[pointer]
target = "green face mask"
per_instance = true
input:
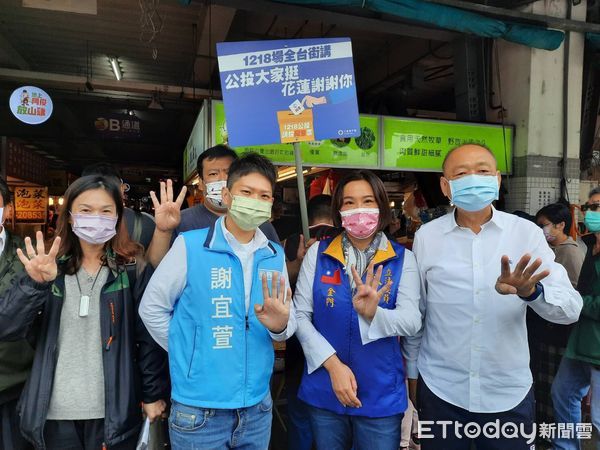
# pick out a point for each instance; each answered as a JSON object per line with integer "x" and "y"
{"x": 248, "y": 213}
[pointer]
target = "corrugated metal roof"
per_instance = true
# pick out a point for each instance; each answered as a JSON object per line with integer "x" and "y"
{"x": 53, "y": 41}
{"x": 57, "y": 43}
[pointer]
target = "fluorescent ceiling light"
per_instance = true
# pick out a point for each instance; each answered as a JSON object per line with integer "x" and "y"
{"x": 116, "y": 68}
{"x": 286, "y": 171}
{"x": 289, "y": 176}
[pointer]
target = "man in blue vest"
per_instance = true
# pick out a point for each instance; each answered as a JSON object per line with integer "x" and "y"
{"x": 215, "y": 302}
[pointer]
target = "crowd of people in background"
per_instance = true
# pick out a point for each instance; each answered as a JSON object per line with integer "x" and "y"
{"x": 178, "y": 312}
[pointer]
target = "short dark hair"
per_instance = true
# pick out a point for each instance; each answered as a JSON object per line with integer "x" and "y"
{"x": 557, "y": 213}
{"x": 594, "y": 191}
{"x": 319, "y": 207}
{"x": 102, "y": 169}
{"x": 252, "y": 163}
{"x": 462, "y": 145}
{"x": 5, "y": 192}
{"x": 218, "y": 151}
{"x": 383, "y": 202}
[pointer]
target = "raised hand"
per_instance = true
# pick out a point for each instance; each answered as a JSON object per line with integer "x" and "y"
{"x": 167, "y": 213}
{"x": 41, "y": 267}
{"x": 367, "y": 295}
{"x": 275, "y": 310}
{"x": 522, "y": 280}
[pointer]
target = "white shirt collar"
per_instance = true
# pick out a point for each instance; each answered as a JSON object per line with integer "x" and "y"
{"x": 258, "y": 241}
{"x": 384, "y": 242}
{"x": 2, "y": 240}
{"x": 451, "y": 223}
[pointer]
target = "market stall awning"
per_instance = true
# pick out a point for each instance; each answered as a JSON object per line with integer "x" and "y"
{"x": 453, "y": 19}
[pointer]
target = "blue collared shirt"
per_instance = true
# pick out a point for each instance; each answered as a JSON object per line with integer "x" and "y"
{"x": 472, "y": 351}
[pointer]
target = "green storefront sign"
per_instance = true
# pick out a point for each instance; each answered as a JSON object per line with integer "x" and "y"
{"x": 395, "y": 144}
{"x": 415, "y": 144}
{"x": 362, "y": 151}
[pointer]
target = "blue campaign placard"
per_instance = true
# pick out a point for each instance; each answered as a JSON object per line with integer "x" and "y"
{"x": 288, "y": 90}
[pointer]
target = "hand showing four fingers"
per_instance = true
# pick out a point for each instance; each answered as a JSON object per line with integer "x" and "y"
{"x": 368, "y": 294}
{"x": 275, "y": 310}
{"x": 40, "y": 266}
{"x": 167, "y": 212}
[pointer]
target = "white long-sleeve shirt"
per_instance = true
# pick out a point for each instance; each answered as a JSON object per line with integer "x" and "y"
{"x": 472, "y": 351}
{"x": 169, "y": 280}
{"x": 404, "y": 320}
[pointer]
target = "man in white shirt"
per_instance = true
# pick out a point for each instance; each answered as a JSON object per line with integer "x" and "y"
{"x": 472, "y": 357}
{"x": 15, "y": 357}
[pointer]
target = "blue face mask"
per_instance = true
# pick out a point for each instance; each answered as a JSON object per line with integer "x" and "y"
{"x": 592, "y": 221}
{"x": 474, "y": 192}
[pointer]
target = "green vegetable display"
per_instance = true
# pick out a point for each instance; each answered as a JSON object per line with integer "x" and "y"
{"x": 366, "y": 139}
{"x": 341, "y": 142}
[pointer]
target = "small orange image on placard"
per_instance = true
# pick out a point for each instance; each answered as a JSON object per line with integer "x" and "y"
{"x": 296, "y": 128}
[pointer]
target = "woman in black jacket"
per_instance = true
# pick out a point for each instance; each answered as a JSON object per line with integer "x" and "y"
{"x": 94, "y": 362}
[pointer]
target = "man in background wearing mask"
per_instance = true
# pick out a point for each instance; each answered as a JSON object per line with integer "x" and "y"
{"x": 213, "y": 167}
{"x": 580, "y": 367}
{"x": 555, "y": 220}
{"x": 472, "y": 354}
{"x": 220, "y": 349}
{"x": 547, "y": 341}
{"x": 140, "y": 225}
{"x": 15, "y": 357}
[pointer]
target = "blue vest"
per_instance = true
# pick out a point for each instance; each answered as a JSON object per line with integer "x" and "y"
{"x": 220, "y": 356}
{"x": 377, "y": 366}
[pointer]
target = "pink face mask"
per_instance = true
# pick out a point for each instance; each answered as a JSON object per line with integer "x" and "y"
{"x": 94, "y": 229}
{"x": 360, "y": 223}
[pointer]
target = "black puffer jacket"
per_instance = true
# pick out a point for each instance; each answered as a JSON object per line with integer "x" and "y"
{"x": 135, "y": 368}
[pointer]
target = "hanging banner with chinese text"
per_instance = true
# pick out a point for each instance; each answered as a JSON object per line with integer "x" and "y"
{"x": 416, "y": 144}
{"x": 31, "y": 204}
{"x": 361, "y": 151}
{"x": 284, "y": 91}
{"x": 31, "y": 105}
{"x": 408, "y": 144}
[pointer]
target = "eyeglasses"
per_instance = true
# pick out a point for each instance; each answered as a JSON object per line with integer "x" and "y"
{"x": 590, "y": 207}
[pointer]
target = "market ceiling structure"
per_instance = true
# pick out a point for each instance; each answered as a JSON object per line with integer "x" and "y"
{"x": 167, "y": 55}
